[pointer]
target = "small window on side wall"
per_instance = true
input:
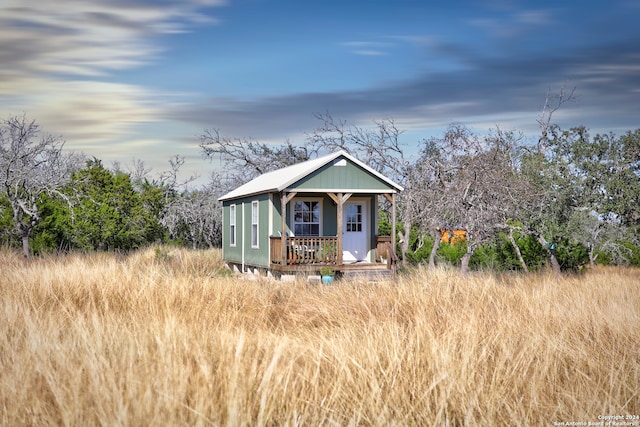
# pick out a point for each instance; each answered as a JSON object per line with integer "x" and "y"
{"x": 254, "y": 224}
{"x": 232, "y": 225}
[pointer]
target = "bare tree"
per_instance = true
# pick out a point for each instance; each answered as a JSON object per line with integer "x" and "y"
{"x": 552, "y": 103}
{"x": 138, "y": 171}
{"x": 195, "y": 217}
{"x": 171, "y": 180}
{"x": 430, "y": 179}
{"x": 549, "y": 198}
{"x": 378, "y": 146}
{"x": 468, "y": 184}
{"x": 513, "y": 226}
{"x": 244, "y": 159}
{"x": 599, "y": 235}
{"x": 31, "y": 165}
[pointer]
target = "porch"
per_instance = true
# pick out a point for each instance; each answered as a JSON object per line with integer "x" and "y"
{"x": 309, "y": 253}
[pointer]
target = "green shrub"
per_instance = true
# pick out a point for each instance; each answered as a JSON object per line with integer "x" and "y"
{"x": 452, "y": 254}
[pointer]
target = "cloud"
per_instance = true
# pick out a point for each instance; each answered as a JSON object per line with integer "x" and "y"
{"x": 91, "y": 111}
{"x": 505, "y": 91}
{"x": 534, "y": 17}
{"x": 515, "y": 23}
{"x": 367, "y": 48}
{"x": 70, "y": 37}
{"x": 58, "y": 57}
{"x": 369, "y": 52}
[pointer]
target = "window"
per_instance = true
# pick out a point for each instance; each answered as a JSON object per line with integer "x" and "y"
{"x": 354, "y": 217}
{"x": 306, "y": 218}
{"x": 232, "y": 225}
{"x": 254, "y": 224}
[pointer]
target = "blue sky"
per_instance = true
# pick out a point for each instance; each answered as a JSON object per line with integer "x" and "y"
{"x": 120, "y": 80}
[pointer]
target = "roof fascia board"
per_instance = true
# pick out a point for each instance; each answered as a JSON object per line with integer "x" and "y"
{"x": 341, "y": 190}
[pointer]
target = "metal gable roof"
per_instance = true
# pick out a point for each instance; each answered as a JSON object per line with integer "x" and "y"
{"x": 280, "y": 179}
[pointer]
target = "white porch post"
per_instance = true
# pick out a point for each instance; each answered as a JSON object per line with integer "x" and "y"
{"x": 339, "y": 226}
{"x": 393, "y": 222}
{"x": 283, "y": 232}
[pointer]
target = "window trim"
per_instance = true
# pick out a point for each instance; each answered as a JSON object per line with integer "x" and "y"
{"x": 255, "y": 222}
{"x": 320, "y": 201}
{"x": 232, "y": 225}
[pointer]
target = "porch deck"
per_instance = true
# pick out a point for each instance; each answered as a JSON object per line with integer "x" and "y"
{"x": 310, "y": 253}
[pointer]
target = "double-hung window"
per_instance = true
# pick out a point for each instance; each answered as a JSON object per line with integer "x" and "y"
{"x": 306, "y": 217}
{"x": 232, "y": 225}
{"x": 254, "y": 224}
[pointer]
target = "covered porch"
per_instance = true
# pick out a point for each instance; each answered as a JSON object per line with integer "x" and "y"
{"x": 290, "y": 253}
{"x": 310, "y": 254}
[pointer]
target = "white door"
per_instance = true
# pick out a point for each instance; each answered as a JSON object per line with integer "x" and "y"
{"x": 355, "y": 241}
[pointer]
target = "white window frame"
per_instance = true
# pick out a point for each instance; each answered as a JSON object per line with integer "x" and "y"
{"x": 255, "y": 224}
{"x": 232, "y": 225}
{"x": 319, "y": 200}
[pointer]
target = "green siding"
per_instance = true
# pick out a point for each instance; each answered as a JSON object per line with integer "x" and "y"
{"x": 330, "y": 219}
{"x": 277, "y": 215}
{"x": 350, "y": 177}
{"x": 259, "y": 256}
{"x": 231, "y": 253}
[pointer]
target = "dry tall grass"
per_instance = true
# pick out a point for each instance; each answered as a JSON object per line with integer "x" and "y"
{"x": 166, "y": 340}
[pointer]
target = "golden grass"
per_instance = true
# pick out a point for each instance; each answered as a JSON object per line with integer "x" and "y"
{"x": 162, "y": 338}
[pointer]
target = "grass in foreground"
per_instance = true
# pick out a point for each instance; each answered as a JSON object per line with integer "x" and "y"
{"x": 149, "y": 340}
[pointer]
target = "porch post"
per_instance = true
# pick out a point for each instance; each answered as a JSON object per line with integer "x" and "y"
{"x": 283, "y": 228}
{"x": 339, "y": 230}
{"x": 393, "y": 222}
{"x": 340, "y": 199}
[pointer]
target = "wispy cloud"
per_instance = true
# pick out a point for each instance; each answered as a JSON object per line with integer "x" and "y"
{"x": 88, "y": 38}
{"x": 504, "y": 91}
{"x": 515, "y": 23}
{"x": 57, "y": 58}
{"x": 367, "y": 48}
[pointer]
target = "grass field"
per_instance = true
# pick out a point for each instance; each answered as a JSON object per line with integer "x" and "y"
{"x": 165, "y": 338}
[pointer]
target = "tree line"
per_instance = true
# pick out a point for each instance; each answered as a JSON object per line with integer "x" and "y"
{"x": 57, "y": 201}
{"x": 567, "y": 200}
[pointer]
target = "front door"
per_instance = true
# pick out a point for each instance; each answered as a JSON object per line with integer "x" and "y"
{"x": 355, "y": 240}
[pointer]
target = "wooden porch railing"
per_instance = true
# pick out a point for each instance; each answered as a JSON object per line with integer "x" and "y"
{"x": 383, "y": 243}
{"x": 323, "y": 250}
{"x": 305, "y": 250}
{"x": 385, "y": 252}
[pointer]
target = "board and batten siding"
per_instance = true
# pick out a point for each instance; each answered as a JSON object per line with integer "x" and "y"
{"x": 341, "y": 174}
{"x": 244, "y": 252}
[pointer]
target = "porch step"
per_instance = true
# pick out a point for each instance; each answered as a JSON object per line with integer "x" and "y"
{"x": 367, "y": 274}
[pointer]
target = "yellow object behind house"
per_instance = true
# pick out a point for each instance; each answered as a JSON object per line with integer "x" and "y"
{"x": 453, "y": 236}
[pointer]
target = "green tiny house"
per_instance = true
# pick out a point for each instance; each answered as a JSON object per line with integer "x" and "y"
{"x": 330, "y": 217}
